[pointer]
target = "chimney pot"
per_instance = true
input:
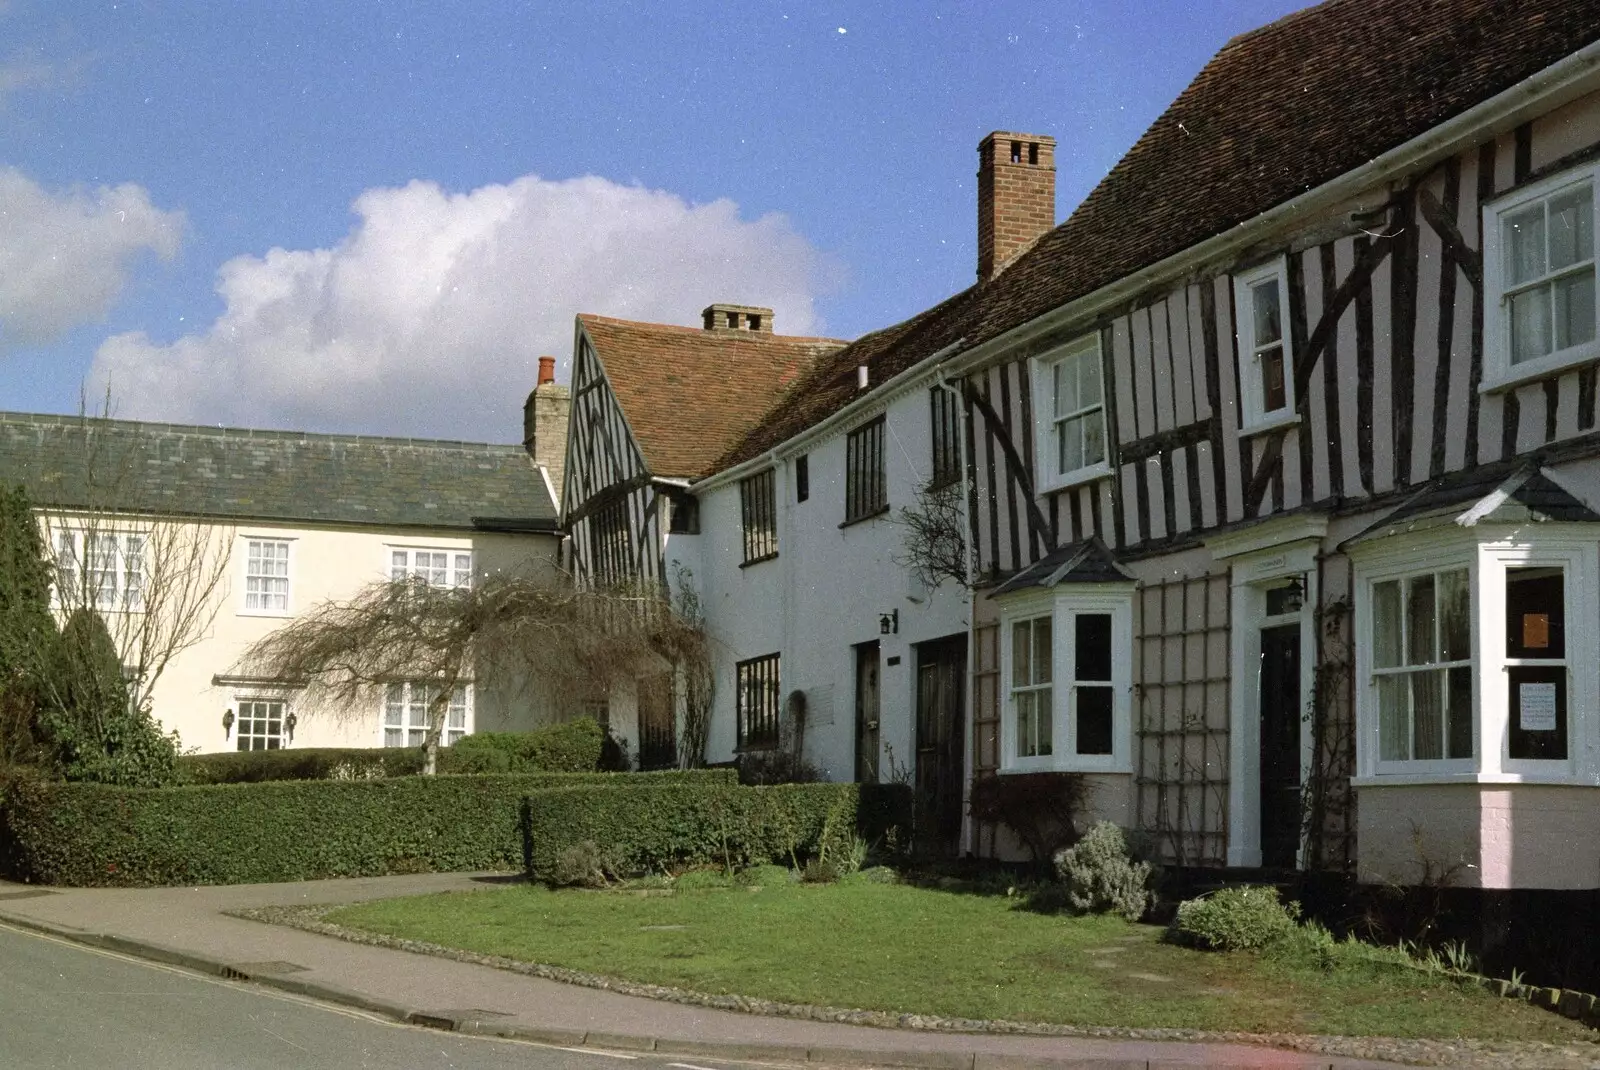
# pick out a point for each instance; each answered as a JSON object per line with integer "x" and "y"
{"x": 547, "y": 370}
{"x": 726, "y": 317}
{"x": 1016, "y": 196}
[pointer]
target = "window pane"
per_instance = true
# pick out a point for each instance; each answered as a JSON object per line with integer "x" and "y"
{"x": 1021, "y": 651}
{"x": 1574, "y": 309}
{"x": 1066, "y": 374}
{"x": 1419, "y": 621}
{"x": 1538, "y": 705}
{"x": 1092, "y": 651}
{"x": 1535, "y": 613}
{"x": 1094, "y": 720}
{"x": 1427, "y": 716}
{"x": 1273, "y": 394}
{"x": 393, "y": 737}
{"x": 1394, "y": 722}
{"x": 1460, "y": 683}
{"x": 1269, "y": 319}
{"x": 1386, "y": 624}
{"x": 1455, "y": 619}
{"x": 1530, "y": 324}
{"x": 1027, "y": 744}
{"x": 1524, "y": 242}
{"x": 1089, "y": 377}
{"x": 1571, "y": 227}
{"x": 1043, "y": 712}
{"x": 1069, "y": 436}
{"x": 1043, "y": 661}
{"x": 1094, "y": 437}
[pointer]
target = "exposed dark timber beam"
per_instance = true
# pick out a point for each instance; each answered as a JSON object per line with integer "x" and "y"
{"x": 1271, "y": 454}
{"x": 1018, "y": 472}
{"x": 1174, "y": 438}
{"x": 1369, "y": 256}
{"x": 608, "y": 495}
{"x": 1456, "y": 249}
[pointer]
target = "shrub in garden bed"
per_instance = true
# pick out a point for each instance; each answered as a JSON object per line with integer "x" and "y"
{"x": 1100, "y": 876}
{"x": 1236, "y": 919}
{"x": 92, "y": 834}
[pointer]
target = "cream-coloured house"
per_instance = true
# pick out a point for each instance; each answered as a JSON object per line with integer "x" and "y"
{"x": 213, "y": 537}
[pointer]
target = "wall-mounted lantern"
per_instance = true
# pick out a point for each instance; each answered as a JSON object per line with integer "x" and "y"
{"x": 227, "y": 723}
{"x": 289, "y": 722}
{"x": 889, "y": 623}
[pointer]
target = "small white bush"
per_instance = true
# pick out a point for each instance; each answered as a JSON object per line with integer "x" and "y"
{"x": 1101, "y": 877}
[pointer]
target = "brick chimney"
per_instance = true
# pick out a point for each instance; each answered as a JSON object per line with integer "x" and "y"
{"x": 737, "y": 318}
{"x": 544, "y": 424}
{"x": 1016, "y": 196}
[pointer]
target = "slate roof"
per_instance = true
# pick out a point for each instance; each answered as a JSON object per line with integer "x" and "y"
{"x": 1278, "y": 111}
{"x": 1506, "y": 492}
{"x": 174, "y": 469}
{"x": 1085, "y": 561}
{"x": 689, "y": 393}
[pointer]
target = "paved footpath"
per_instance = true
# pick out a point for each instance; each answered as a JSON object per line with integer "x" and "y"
{"x": 186, "y": 927}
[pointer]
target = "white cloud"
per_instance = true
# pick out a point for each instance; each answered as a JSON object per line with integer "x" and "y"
{"x": 429, "y": 317}
{"x": 65, "y": 257}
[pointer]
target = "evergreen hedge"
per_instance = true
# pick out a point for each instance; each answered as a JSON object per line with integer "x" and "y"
{"x": 84, "y": 834}
{"x": 564, "y": 748}
{"x": 666, "y": 823}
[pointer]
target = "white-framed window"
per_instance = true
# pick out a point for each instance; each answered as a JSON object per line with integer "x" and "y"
{"x": 405, "y": 713}
{"x": 259, "y": 724}
{"x": 99, "y": 569}
{"x": 1069, "y": 414}
{"x": 1068, "y": 680}
{"x": 1473, "y": 662}
{"x": 1266, "y": 354}
{"x": 1539, "y": 278}
{"x": 266, "y": 576}
{"x": 438, "y": 568}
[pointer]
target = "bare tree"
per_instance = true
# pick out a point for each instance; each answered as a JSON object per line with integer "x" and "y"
{"x": 934, "y": 546}
{"x": 157, "y": 579}
{"x": 575, "y": 642}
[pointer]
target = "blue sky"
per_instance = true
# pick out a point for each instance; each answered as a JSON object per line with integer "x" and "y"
{"x": 367, "y": 216}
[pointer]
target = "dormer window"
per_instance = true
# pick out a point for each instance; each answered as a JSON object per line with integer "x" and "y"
{"x": 1266, "y": 355}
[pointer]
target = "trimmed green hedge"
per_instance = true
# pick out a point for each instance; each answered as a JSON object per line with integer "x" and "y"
{"x": 93, "y": 834}
{"x": 652, "y": 825}
{"x": 564, "y": 748}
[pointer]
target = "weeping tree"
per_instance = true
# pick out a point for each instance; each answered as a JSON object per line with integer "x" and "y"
{"x": 505, "y": 626}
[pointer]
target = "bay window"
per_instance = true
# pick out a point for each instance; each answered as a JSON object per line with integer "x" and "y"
{"x": 1067, "y": 681}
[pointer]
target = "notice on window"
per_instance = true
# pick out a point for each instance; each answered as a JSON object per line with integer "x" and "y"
{"x": 1537, "y": 707}
{"x": 1535, "y": 631}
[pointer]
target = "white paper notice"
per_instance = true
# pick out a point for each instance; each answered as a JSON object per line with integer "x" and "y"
{"x": 1537, "y": 703}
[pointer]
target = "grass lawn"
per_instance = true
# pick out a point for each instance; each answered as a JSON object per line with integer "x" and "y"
{"x": 902, "y": 948}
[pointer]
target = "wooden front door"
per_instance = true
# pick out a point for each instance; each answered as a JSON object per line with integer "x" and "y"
{"x": 1280, "y": 746}
{"x": 867, "y": 713}
{"x": 941, "y": 717}
{"x": 658, "y": 735}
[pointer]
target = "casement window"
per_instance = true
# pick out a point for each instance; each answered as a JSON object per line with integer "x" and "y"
{"x": 405, "y": 714}
{"x": 759, "y": 514}
{"x": 865, "y": 491}
{"x": 756, "y": 702}
{"x": 1539, "y": 278}
{"x": 99, "y": 569}
{"x": 1471, "y": 666}
{"x": 1068, "y": 682}
{"x": 802, "y": 477}
{"x": 945, "y": 415}
{"x": 260, "y": 724}
{"x": 683, "y": 513}
{"x": 1069, "y": 414}
{"x": 1266, "y": 356}
{"x": 437, "y": 568}
{"x": 1422, "y": 666}
{"x": 266, "y": 576}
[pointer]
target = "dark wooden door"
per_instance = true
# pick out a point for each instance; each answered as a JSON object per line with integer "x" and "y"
{"x": 867, "y": 713}
{"x": 941, "y": 717}
{"x": 658, "y": 736}
{"x": 1280, "y": 745}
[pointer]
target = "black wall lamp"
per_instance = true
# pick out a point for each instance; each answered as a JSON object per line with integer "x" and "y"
{"x": 889, "y": 623}
{"x": 289, "y": 722}
{"x": 227, "y": 723}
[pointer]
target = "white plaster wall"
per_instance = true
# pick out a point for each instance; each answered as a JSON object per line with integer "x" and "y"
{"x": 824, "y": 594}
{"x": 328, "y": 563}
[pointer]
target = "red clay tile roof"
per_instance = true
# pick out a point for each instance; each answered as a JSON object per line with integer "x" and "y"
{"x": 689, "y": 393}
{"x": 1278, "y": 111}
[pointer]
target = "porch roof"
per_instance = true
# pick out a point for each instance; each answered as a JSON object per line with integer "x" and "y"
{"x": 1502, "y": 493}
{"x": 1085, "y": 561}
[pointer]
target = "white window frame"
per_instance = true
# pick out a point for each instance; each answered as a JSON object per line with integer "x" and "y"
{"x": 1488, "y": 553}
{"x": 1045, "y": 421}
{"x": 410, "y": 707}
{"x": 241, "y": 702}
{"x": 69, "y": 551}
{"x": 245, "y": 608}
{"x": 456, "y": 578}
{"x": 1498, "y": 371}
{"x": 1255, "y": 417}
{"x": 1064, "y": 604}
